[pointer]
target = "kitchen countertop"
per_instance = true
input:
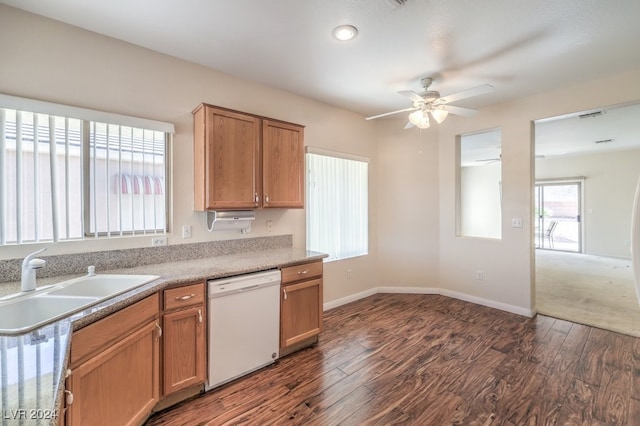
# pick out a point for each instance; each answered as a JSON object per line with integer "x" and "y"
{"x": 33, "y": 365}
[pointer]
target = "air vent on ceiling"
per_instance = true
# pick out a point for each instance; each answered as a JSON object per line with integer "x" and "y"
{"x": 591, "y": 114}
{"x": 605, "y": 141}
{"x": 397, "y": 3}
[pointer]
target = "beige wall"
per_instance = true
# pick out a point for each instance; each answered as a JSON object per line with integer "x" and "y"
{"x": 55, "y": 62}
{"x": 609, "y": 187}
{"x": 412, "y": 195}
{"x": 407, "y": 208}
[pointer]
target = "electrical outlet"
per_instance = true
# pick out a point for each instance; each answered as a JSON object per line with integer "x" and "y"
{"x": 159, "y": 241}
{"x": 349, "y": 274}
{"x": 479, "y": 275}
{"x": 269, "y": 225}
{"x": 186, "y": 231}
{"x": 516, "y": 223}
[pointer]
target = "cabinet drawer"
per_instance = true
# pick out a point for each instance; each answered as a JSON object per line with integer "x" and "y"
{"x": 301, "y": 272}
{"x": 108, "y": 330}
{"x": 181, "y": 297}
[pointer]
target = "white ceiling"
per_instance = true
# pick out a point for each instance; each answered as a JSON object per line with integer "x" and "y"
{"x": 518, "y": 47}
{"x": 615, "y": 128}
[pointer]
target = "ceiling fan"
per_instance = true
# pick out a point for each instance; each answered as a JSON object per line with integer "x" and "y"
{"x": 429, "y": 102}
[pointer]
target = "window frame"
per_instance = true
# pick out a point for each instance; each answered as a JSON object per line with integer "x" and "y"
{"x": 86, "y": 195}
{"x": 365, "y": 249}
{"x": 87, "y": 117}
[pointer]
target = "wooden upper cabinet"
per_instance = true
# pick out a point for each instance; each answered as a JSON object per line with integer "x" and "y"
{"x": 282, "y": 164}
{"x": 226, "y": 159}
{"x": 242, "y": 161}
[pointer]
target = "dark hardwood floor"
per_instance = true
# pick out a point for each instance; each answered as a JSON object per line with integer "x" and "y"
{"x": 433, "y": 360}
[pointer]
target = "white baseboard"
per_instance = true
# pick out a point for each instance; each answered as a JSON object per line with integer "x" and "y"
{"x": 488, "y": 302}
{"x": 430, "y": 290}
{"x": 349, "y": 299}
{"x": 408, "y": 290}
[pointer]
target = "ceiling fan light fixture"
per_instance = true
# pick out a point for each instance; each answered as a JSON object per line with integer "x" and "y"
{"x": 439, "y": 115}
{"x": 345, "y": 32}
{"x": 420, "y": 119}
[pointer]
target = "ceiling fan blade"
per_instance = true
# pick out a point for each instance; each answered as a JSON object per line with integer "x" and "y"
{"x": 412, "y": 95}
{"x": 391, "y": 113}
{"x": 480, "y": 90}
{"x": 466, "y": 112}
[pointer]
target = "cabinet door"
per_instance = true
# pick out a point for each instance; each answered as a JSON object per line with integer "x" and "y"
{"x": 120, "y": 385}
{"x": 300, "y": 311}
{"x": 232, "y": 160}
{"x": 184, "y": 348}
{"x": 282, "y": 165}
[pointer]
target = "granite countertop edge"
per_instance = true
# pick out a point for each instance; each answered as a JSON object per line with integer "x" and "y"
{"x": 171, "y": 274}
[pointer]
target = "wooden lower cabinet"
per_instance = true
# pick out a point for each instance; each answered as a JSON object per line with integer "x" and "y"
{"x": 185, "y": 338}
{"x": 300, "y": 305}
{"x": 300, "y": 315}
{"x": 119, "y": 383}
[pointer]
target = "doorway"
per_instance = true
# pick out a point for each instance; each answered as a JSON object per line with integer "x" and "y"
{"x": 558, "y": 213}
{"x": 586, "y": 172}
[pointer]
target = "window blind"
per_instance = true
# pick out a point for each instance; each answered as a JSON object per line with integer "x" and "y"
{"x": 337, "y": 204}
{"x": 40, "y": 176}
{"x": 64, "y": 178}
{"x": 126, "y": 180}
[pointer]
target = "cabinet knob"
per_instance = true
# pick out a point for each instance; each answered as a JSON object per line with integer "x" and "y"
{"x": 284, "y": 291}
{"x": 68, "y": 397}
{"x": 266, "y": 199}
{"x": 257, "y": 198}
{"x": 306, "y": 271}
{"x": 200, "y": 316}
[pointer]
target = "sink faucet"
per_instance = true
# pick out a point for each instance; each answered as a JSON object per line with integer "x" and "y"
{"x": 29, "y": 266}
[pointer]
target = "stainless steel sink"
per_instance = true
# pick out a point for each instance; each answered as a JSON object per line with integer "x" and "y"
{"x": 30, "y": 311}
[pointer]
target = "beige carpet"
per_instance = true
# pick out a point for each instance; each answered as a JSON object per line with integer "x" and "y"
{"x": 591, "y": 290}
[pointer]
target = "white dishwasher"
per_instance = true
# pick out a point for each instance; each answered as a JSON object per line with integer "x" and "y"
{"x": 244, "y": 325}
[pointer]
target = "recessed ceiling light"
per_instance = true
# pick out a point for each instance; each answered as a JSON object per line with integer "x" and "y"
{"x": 345, "y": 32}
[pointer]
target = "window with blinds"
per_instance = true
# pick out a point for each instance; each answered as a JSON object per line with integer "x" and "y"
{"x": 126, "y": 180}
{"x": 64, "y": 177}
{"x": 337, "y": 204}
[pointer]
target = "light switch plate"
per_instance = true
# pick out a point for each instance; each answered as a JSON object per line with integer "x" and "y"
{"x": 516, "y": 223}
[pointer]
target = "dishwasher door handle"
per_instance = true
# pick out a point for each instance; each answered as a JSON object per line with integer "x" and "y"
{"x": 249, "y": 287}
